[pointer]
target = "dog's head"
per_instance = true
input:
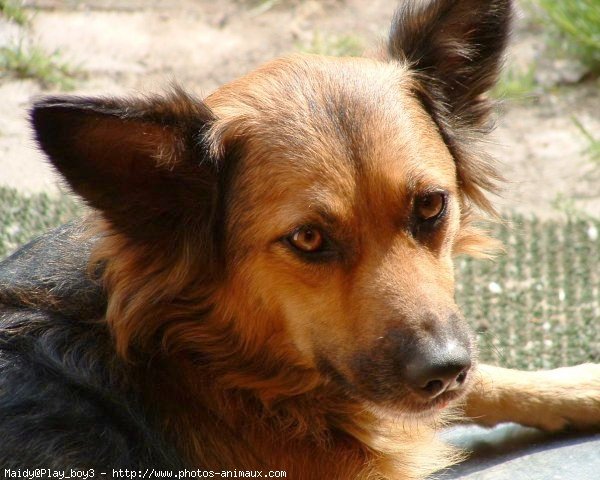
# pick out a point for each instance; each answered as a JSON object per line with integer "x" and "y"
{"x": 312, "y": 207}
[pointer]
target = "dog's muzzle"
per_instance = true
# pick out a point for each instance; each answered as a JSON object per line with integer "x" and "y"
{"x": 442, "y": 367}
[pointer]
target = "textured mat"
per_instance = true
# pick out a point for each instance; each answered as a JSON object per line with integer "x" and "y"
{"x": 24, "y": 217}
{"x": 536, "y": 306}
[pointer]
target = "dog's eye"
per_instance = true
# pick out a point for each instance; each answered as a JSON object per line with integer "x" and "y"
{"x": 431, "y": 206}
{"x": 307, "y": 239}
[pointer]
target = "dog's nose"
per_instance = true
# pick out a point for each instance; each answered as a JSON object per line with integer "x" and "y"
{"x": 442, "y": 369}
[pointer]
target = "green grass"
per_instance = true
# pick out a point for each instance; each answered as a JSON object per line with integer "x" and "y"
{"x": 334, "y": 45}
{"x": 13, "y": 11}
{"x": 577, "y": 25}
{"x": 263, "y": 5}
{"x": 24, "y": 59}
{"x": 516, "y": 83}
{"x": 593, "y": 149}
{"x": 258, "y": 7}
{"x": 537, "y": 306}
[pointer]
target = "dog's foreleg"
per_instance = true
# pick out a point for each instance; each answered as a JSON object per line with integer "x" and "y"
{"x": 550, "y": 399}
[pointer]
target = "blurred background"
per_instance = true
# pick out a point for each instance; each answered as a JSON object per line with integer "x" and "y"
{"x": 538, "y": 305}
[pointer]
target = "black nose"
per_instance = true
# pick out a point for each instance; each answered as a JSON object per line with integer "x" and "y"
{"x": 439, "y": 370}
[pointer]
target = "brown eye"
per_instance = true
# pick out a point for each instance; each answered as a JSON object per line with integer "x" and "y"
{"x": 430, "y": 206}
{"x": 307, "y": 239}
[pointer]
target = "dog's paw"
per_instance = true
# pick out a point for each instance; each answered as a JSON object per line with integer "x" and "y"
{"x": 567, "y": 397}
{"x": 564, "y": 398}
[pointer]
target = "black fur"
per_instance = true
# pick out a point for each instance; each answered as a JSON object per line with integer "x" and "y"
{"x": 147, "y": 167}
{"x": 456, "y": 48}
{"x": 66, "y": 401}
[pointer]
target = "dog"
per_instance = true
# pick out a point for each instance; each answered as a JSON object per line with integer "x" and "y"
{"x": 265, "y": 282}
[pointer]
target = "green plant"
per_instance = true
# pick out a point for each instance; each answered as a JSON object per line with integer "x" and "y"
{"x": 566, "y": 205}
{"x": 593, "y": 149}
{"x": 258, "y": 7}
{"x": 261, "y": 6}
{"x": 516, "y": 83}
{"x": 26, "y": 60}
{"x": 13, "y": 11}
{"x": 334, "y": 45}
{"x": 577, "y": 23}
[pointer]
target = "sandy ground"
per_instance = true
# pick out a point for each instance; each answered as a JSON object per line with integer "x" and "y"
{"x": 141, "y": 46}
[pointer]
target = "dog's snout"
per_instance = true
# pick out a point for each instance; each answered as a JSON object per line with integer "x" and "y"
{"x": 440, "y": 369}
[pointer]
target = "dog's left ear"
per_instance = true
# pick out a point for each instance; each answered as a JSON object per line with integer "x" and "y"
{"x": 144, "y": 163}
{"x": 456, "y": 46}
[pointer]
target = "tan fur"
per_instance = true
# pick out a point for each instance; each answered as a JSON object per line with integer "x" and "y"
{"x": 256, "y": 328}
{"x": 550, "y": 400}
{"x": 265, "y": 319}
{"x": 258, "y": 356}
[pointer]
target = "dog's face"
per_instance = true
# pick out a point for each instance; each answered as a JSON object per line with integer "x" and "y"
{"x": 321, "y": 198}
{"x": 342, "y": 217}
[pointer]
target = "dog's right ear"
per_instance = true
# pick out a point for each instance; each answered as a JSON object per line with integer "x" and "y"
{"x": 455, "y": 49}
{"x": 456, "y": 46}
{"x": 145, "y": 164}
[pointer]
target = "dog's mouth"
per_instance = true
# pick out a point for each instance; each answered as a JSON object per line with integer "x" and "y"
{"x": 407, "y": 404}
{"x": 440, "y": 402}
{"x": 394, "y": 395}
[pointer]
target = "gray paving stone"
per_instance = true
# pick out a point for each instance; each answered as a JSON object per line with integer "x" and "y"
{"x": 512, "y": 452}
